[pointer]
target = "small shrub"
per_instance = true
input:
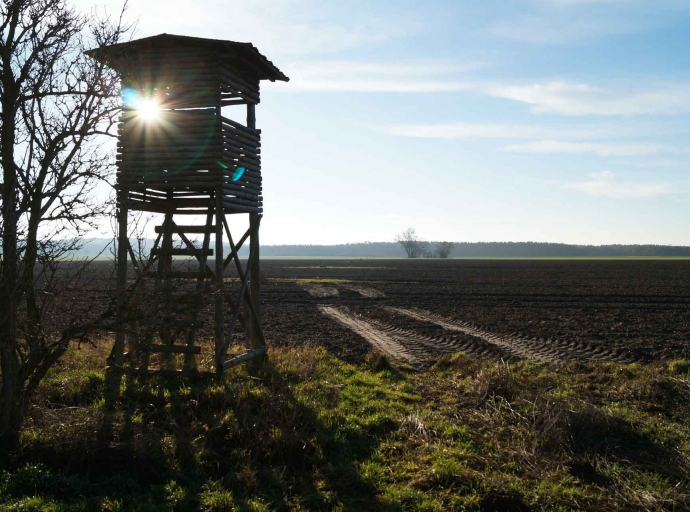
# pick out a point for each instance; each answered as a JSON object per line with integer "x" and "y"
{"x": 215, "y": 498}
{"x": 494, "y": 381}
{"x": 413, "y": 425}
{"x": 679, "y": 367}
{"x": 378, "y": 362}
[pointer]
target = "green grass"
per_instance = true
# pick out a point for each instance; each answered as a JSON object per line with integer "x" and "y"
{"x": 546, "y": 258}
{"x": 480, "y": 258}
{"x": 311, "y": 432}
{"x": 314, "y": 280}
{"x": 348, "y": 267}
{"x": 577, "y": 258}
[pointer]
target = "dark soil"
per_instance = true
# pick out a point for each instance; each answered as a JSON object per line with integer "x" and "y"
{"x": 635, "y": 309}
{"x": 639, "y": 306}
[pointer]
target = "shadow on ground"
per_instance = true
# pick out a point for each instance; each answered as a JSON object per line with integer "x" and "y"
{"x": 190, "y": 444}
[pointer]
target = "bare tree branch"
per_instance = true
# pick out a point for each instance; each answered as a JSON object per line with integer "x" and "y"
{"x": 56, "y": 104}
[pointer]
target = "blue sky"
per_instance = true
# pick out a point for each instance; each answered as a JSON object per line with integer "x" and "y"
{"x": 529, "y": 120}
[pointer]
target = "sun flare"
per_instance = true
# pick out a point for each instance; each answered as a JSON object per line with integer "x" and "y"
{"x": 148, "y": 109}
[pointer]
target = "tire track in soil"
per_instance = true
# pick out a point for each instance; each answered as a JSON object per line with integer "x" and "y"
{"x": 380, "y": 340}
{"x": 549, "y": 351}
{"x": 317, "y": 290}
{"x": 409, "y": 346}
{"x": 446, "y": 345}
{"x": 369, "y": 293}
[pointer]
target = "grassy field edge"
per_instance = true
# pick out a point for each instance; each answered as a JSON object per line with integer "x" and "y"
{"x": 312, "y": 432}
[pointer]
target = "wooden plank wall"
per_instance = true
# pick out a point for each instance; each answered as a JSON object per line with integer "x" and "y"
{"x": 188, "y": 153}
{"x": 236, "y": 89}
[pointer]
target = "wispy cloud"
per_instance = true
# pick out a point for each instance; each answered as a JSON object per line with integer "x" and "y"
{"x": 579, "y": 3}
{"x": 511, "y": 131}
{"x": 604, "y": 184}
{"x": 598, "y": 148}
{"x": 555, "y": 30}
{"x": 550, "y": 97}
{"x": 353, "y": 76}
{"x": 279, "y": 28}
{"x": 646, "y": 164}
{"x": 605, "y": 140}
{"x": 584, "y": 99}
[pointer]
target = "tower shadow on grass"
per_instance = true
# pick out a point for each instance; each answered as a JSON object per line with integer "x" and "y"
{"x": 187, "y": 444}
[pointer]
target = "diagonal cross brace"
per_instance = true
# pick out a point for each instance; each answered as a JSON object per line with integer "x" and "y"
{"x": 235, "y": 253}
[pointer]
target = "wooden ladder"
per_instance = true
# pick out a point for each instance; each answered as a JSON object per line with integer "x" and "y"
{"x": 170, "y": 315}
{"x": 166, "y": 324}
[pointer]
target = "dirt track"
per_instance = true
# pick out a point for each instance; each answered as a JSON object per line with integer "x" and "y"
{"x": 547, "y": 311}
{"x": 549, "y": 351}
{"x": 380, "y": 340}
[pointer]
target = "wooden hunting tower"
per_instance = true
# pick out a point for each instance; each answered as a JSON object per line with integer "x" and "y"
{"x": 179, "y": 156}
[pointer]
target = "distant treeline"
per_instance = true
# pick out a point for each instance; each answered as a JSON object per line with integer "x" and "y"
{"x": 460, "y": 250}
{"x": 480, "y": 250}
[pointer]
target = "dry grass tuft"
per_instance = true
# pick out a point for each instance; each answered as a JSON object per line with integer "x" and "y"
{"x": 493, "y": 381}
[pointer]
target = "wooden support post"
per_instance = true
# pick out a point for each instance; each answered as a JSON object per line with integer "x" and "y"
{"x": 255, "y": 279}
{"x": 165, "y": 270}
{"x": 220, "y": 337}
{"x": 116, "y": 360}
{"x": 251, "y": 116}
{"x": 256, "y": 340}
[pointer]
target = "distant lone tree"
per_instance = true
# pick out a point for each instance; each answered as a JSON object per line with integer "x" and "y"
{"x": 443, "y": 249}
{"x": 55, "y": 105}
{"x": 414, "y": 247}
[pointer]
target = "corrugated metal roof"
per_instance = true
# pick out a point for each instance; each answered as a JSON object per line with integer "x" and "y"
{"x": 262, "y": 67}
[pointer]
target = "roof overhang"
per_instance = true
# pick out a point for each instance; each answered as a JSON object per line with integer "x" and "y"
{"x": 244, "y": 56}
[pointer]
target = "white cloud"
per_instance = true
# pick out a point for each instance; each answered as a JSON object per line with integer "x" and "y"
{"x": 604, "y": 184}
{"x": 374, "y": 85}
{"x": 602, "y": 176}
{"x": 353, "y": 76}
{"x": 279, "y": 28}
{"x": 598, "y": 148}
{"x": 510, "y": 131}
{"x": 546, "y": 30}
{"x": 554, "y": 97}
{"x": 578, "y": 3}
{"x": 650, "y": 163}
{"x": 466, "y": 130}
{"x": 583, "y": 99}
{"x": 594, "y": 139}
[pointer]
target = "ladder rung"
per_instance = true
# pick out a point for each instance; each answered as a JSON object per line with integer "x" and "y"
{"x": 173, "y": 349}
{"x": 179, "y": 274}
{"x": 187, "y": 229}
{"x": 182, "y": 252}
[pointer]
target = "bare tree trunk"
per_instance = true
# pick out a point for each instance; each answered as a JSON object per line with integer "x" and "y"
{"x": 12, "y": 410}
{"x": 55, "y": 102}
{"x": 10, "y": 393}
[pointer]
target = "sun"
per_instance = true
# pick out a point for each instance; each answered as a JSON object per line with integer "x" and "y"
{"x": 148, "y": 109}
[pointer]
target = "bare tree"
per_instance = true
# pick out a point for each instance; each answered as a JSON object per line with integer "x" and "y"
{"x": 443, "y": 249}
{"x": 56, "y": 103}
{"x": 414, "y": 247}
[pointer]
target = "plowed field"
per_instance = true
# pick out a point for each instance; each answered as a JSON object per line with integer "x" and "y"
{"x": 548, "y": 311}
